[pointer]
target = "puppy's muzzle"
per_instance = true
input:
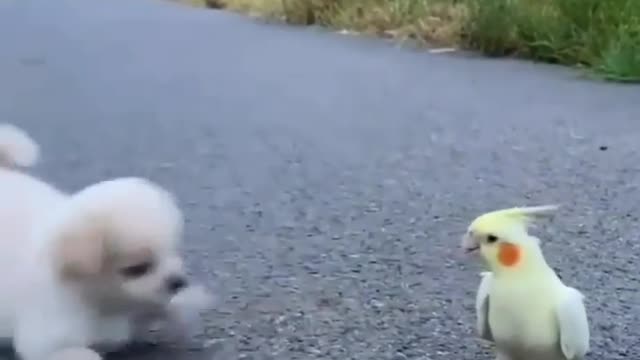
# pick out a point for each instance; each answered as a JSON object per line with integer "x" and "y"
{"x": 175, "y": 283}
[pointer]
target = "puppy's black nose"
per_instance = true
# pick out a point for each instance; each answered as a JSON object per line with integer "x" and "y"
{"x": 176, "y": 283}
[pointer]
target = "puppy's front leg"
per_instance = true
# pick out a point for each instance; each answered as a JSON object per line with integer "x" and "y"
{"x": 76, "y": 353}
{"x": 54, "y": 333}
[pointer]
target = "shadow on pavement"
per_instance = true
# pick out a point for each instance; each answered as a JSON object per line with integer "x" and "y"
{"x": 141, "y": 351}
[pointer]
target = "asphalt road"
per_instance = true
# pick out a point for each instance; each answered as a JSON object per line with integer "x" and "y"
{"x": 327, "y": 179}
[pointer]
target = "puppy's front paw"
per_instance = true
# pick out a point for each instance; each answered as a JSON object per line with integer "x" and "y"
{"x": 192, "y": 299}
{"x": 183, "y": 311}
{"x": 77, "y": 353}
{"x": 175, "y": 321}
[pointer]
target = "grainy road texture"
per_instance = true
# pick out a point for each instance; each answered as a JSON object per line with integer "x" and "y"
{"x": 327, "y": 179}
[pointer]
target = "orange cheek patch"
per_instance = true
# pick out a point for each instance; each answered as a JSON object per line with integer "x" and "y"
{"x": 509, "y": 254}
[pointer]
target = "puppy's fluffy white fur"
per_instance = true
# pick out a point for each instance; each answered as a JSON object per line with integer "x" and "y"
{"x": 82, "y": 271}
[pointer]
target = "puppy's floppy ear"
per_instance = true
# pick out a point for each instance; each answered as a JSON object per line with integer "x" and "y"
{"x": 80, "y": 249}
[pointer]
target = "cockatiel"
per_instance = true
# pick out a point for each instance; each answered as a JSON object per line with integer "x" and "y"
{"x": 522, "y": 306}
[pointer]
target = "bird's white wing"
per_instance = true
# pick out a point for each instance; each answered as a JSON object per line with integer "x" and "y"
{"x": 482, "y": 307}
{"x": 574, "y": 326}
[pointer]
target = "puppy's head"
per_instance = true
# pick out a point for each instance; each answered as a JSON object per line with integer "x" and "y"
{"x": 118, "y": 241}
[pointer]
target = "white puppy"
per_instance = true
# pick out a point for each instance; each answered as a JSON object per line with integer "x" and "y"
{"x": 80, "y": 270}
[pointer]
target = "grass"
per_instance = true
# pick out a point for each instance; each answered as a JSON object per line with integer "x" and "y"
{"x": 600, "y": 36}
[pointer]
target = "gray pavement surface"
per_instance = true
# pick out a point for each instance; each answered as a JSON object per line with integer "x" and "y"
{"x": 327, "y": 179}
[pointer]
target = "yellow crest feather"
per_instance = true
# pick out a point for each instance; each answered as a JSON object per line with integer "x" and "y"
{"x": 517, "y": 216}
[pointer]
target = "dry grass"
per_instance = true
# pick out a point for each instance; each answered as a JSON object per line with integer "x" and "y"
{"x": 437, "y": 21}
{"x": 199, "y": 3}
{"x": 266, "y": 8}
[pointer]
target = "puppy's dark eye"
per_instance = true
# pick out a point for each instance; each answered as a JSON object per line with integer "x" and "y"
{"x": 491, "y": 238}
{"x": 137, "y": 270}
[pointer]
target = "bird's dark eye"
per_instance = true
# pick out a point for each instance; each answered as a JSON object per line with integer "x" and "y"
{"x": 491, "y": 238}
{"x": 138, "y": 270}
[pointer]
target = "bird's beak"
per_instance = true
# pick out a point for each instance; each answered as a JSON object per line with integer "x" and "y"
{"x": 469, "y": 244}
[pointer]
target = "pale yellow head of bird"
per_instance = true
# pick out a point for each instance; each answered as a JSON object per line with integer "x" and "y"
{"x": 501, "y": 235}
